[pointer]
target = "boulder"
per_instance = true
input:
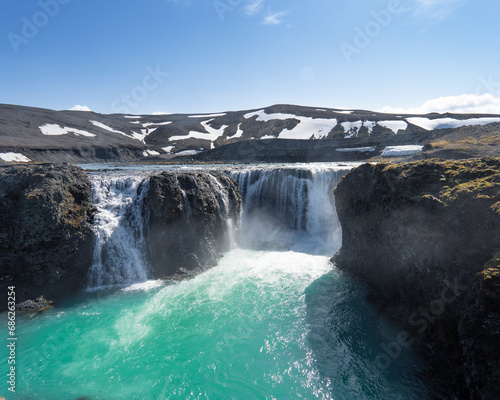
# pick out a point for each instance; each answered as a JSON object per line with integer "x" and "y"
{"x": 45, "y": 230}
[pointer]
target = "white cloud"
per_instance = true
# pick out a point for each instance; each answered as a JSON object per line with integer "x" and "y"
{"x": 253, "y": 7}
{"x": 436, "y": 9}
{"x": 78, "y": 107}
{"x": 274, "y": 18}
{"x": 161, "y": 113}
{"x": 465, "y": 103}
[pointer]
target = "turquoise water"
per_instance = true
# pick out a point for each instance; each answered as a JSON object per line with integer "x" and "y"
{"x": 260, "y": 325}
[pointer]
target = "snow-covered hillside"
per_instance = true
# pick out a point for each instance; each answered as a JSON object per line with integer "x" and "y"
{"x": 39, "y": 134}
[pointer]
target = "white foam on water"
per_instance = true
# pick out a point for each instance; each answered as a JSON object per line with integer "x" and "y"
{"x": 119, "y": 251}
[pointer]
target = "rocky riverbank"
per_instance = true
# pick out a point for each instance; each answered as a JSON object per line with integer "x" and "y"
{"x": 45, "y": 230}
{"x": 425, "y": 236}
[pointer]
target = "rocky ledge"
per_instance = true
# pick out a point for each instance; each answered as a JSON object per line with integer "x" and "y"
{"x": 425, "y": 236}
{"x": 45, "y": 230}
{"x": 189, "y": 217}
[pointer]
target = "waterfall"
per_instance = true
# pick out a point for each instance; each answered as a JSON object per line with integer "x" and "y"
{"x": 134, "y": 242}
{"x": 284, "y": 208}
{"x": 119, "y": 252}
{"x": 290, "y": 206}
{"x": 231, "y": 231}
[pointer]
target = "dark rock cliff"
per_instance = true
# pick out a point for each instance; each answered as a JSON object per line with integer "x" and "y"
{"x": 425, "y": 236}
{"x": 189, "y": 220}
{"x": 45, "y": 230}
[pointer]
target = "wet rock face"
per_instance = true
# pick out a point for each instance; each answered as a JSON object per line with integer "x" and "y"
{"x": 187, "y": 225}
{"x": 479, "y": 330}
{"x": 45, "y": 230}
{"x": 421, "y": 234}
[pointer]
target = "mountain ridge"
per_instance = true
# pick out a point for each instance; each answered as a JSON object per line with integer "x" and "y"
{"x": 41, "y": 135}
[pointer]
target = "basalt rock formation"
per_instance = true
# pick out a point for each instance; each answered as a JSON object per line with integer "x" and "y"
{"x": 45, "y": 230}
{"x": 189, "y": 220}
{"x": 425, "y": 236}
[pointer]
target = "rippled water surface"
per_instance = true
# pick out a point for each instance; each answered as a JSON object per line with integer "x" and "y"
{"x": 260, "y": 325}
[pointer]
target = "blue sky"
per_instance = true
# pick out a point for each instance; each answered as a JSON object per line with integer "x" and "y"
{"x": 218, "y": 55}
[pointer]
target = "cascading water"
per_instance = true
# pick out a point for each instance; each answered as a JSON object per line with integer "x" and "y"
{"x": 290, "y": 207}
{"x": 119, "y": 252}
{"x": 231, "y": 232}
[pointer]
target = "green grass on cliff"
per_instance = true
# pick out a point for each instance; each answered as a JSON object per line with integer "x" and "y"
{"x": 474, "y": 178}
{"x": 478, "y": 140}
{"x": 491, "y": 270}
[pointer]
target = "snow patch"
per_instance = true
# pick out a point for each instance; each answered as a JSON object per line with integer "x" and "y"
{"x": 369, "y": 125}
{"x": 133, "y": 116}
{"x": 147, "y": 153}
{"x": 56, "y": 130}
{"x": 394, "y": 126}
{"x": 307, "y": 127}
{"x": 146, "y": 124}
{"x": 391, "y": 151}
{"x": 187, "y": 152}
{"x": 351, "y": 128}
{"x": 263, "y": 116}
{"x": 168, "y": 149}
{"x": 362, "y": 149}
{"x": 107, "y": 128}
{"x": 212, "y": 134}
{"x": 239, "y": 132}
{"x": 14, "y": 157}
{"x": 137, "y": 136}
{"x": 317, "y": 128}
{"x": 207, "y": 115}
{"x": 144, "y": 133}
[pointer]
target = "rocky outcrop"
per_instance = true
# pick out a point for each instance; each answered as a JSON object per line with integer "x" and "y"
{"x": 31, "y": 307}
{"x": 425, "y": 236}
{"x": 45, "y": 230}
{"x": 190, "y": 217}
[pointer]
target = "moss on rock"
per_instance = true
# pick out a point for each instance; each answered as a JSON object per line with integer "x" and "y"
{"x": 414, "y": 231}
